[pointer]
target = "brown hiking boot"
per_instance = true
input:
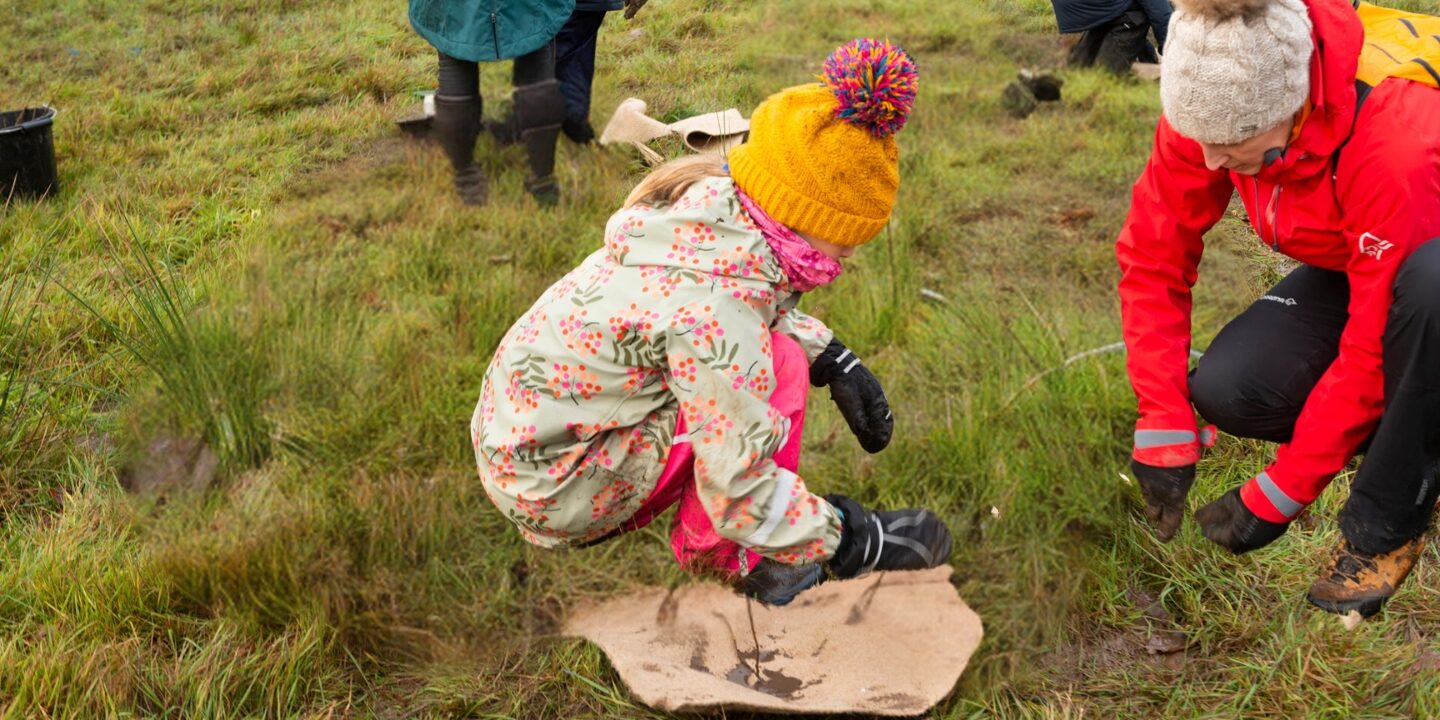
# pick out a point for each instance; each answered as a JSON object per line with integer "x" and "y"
{"x": 1361, "y": 582}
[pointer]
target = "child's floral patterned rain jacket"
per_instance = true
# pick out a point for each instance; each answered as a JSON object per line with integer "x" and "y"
{"x": 672, "y": 316}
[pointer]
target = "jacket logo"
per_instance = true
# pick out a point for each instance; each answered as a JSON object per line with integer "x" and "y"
{"x": 1373, "y": 246}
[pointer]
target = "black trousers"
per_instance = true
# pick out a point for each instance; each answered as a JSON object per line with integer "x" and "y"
{"x": 1259, "y": 371}
{"x": 575, "y": 62}
{"x": 1116, "y": 44}
{"x": 461, "y": 78}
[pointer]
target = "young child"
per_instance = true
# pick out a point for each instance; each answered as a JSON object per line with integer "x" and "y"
{"x": 670, "y": 367}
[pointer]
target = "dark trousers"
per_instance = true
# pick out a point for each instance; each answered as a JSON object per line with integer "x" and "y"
{"x": 1259, "y": 371}
{"x": 461, "y": 78}
{"x": 537, "y": 114}
{"x": 575, "y": 62}
{"x": 1116, "y": 44}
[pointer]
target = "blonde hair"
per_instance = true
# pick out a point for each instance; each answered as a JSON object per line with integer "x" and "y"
{"x": 665, "y": 184}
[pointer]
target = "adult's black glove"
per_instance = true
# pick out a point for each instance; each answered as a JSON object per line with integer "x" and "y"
{"x": 912, "y": 539}
{"x": 774, "y": 583}
{"x": 632, "y": 7}
{"x": 1164, "y": 489}
{"x": 1229, "y": 524}
{"x": 857, "y": 393}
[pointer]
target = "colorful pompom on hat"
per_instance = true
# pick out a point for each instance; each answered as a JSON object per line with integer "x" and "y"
{"x": 822, "y": 158}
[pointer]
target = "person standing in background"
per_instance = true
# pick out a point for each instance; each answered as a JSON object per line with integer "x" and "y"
{"x": 468, "y": 32}
{"x": 575, "y": 68}
{"x": 1116, "y": 33}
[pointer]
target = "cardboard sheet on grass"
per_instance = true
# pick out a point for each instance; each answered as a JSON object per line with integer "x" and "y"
{"x": 892, "y": 644}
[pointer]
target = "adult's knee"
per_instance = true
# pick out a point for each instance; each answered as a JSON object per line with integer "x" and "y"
{"x": 1214, "y": 396}
{"x": 1417, "y": 284}
{"x": 1234, "y": 403}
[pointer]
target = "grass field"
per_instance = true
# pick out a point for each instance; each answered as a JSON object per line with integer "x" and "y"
{"x": 249, "y": 265}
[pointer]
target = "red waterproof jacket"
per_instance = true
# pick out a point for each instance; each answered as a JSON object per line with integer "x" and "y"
{"x": 1361, "y": 210}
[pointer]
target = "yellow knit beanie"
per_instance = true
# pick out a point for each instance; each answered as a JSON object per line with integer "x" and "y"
{"x": 822, "y": 158}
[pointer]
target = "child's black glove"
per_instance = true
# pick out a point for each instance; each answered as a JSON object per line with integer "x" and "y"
{"x": 912, "y": 539}
{"x": 774, "y": 583}
{"x": 857, "y": 393}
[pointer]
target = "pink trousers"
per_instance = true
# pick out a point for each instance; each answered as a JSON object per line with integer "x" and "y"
{"x": 692, "y": 536}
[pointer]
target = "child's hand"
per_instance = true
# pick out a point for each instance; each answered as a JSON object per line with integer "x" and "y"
{"x": 857, "y": 392}
{"x": 773, "y": 583}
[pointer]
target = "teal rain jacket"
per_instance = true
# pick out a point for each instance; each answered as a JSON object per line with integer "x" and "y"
{"x": 488, "y": 30}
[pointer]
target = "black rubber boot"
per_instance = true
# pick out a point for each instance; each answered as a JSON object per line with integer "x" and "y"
{"x": 457, "y": 124}
{"x": 539, "y": 112}
{"x": 580, "y": 132}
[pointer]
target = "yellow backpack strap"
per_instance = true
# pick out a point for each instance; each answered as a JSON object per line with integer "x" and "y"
{"x": 1398, "y": 44}
{"x": 1362, "y": 91}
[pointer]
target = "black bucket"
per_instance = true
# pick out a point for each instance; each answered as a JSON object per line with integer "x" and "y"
{"x": 27, "y": 153}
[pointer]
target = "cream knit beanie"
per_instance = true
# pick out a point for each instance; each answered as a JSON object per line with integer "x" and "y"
{"x": 1234, "y": 68}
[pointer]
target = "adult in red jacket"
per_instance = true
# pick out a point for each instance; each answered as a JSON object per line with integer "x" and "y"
{"x": 1343, "y": 355}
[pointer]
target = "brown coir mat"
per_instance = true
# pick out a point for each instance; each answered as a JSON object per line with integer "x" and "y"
{"x": 889, "y": 644}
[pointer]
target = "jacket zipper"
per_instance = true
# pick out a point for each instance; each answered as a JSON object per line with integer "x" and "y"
{"x": 495, "y": 31}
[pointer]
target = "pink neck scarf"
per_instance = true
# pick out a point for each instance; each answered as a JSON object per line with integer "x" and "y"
{"x": 806, "y": 267}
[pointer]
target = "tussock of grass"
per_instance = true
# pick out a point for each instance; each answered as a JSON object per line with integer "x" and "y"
{"x": 212, "y": 379}
{"x": 300, "y": 289}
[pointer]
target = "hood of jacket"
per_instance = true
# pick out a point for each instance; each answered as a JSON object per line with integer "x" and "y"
{"x": 705, "y": 235}
{"x": 1338, "y": 36}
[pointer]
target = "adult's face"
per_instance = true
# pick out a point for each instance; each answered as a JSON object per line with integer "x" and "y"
{"x": 1248, "y": 156}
